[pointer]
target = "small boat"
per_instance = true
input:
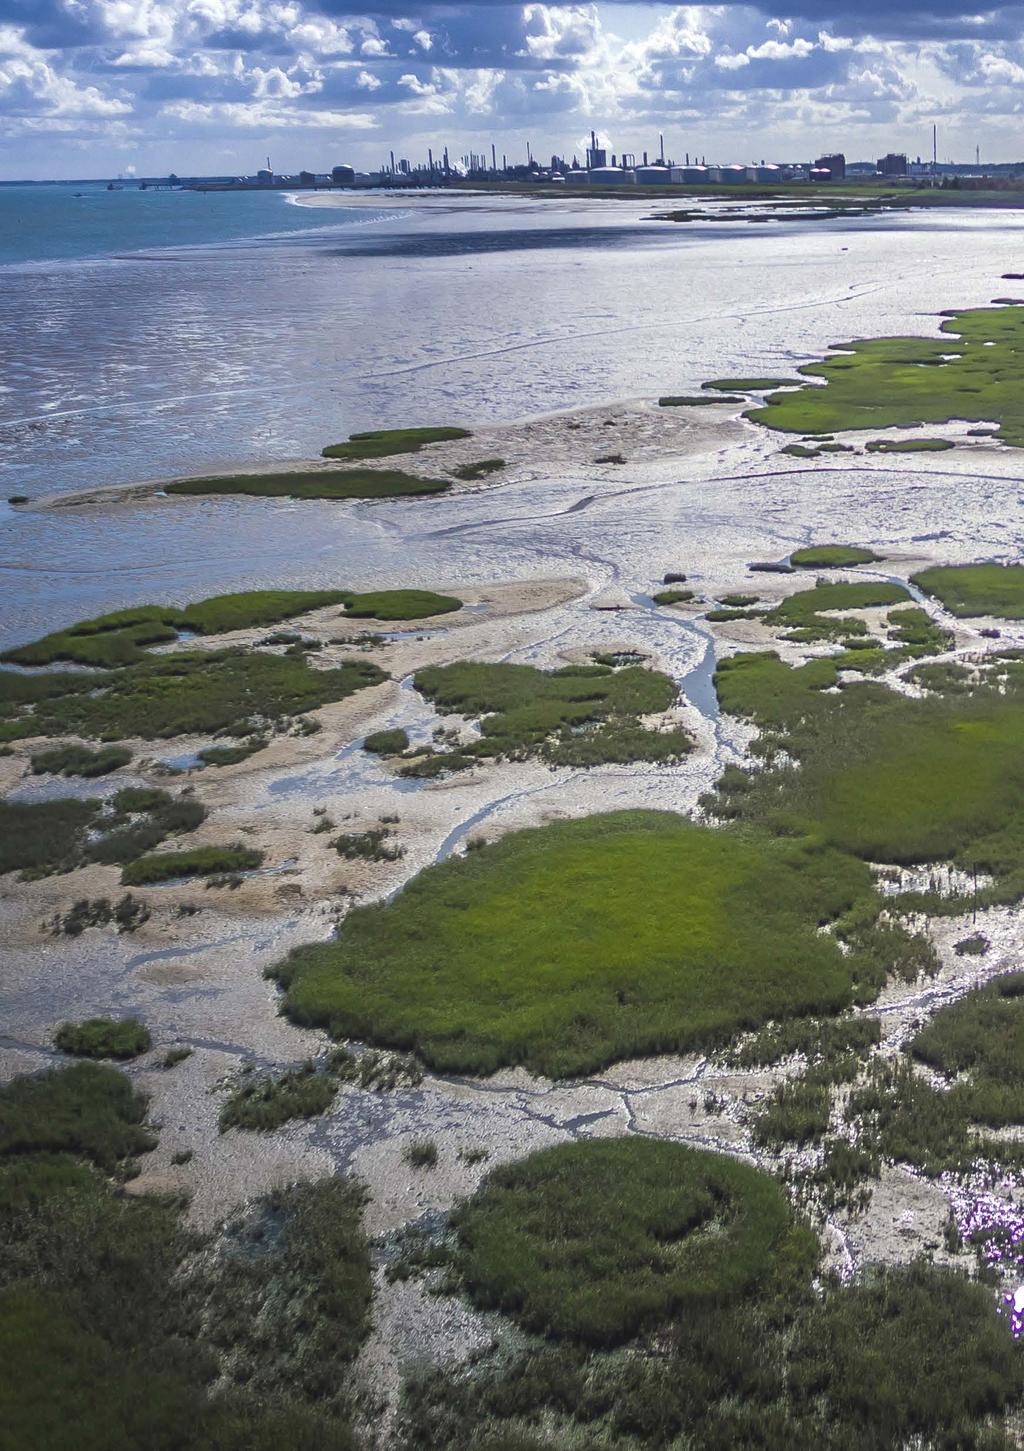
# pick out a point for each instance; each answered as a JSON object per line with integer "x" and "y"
{"x": 115, "y": 186}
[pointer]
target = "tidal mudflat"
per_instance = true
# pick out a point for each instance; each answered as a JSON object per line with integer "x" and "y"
{"x": 590, "y": 828}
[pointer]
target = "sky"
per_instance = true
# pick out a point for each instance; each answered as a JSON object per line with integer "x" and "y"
{"x": 106, "y": 87}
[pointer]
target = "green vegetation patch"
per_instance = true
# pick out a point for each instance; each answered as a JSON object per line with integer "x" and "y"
{"x": 73, "y": 760}
{"x": 38, "y": 838}
{"x": 579, "y": 715}
{"x": 120, "y": 638}
{"x": 400, "y": 604}
{"x": 752, "y": 385}
{"x": 979, "y": 1042}
{"x": 682, "y": 400}
{"x": 672, "y": 596}
{"x": 232, "y": 755}
{"x": 972, "y": 372}
{"x": 832, "y": 556}
{"x": 384, "y": 442}
{"x": 968, "y": 590}
{"x": 902, "y": 1356}
{"x": 200, "y": 693}
{"x": 119, "y": 1321}
{"x": 387, "y": 743}
{"x": 88, "y": 1109}
{"x": 317, "y": 484}
{"x": 104, "y": 1038}
{"x": 803, "y": 450}
{"x": 597, "y": 1241}
{"x": 908, "y": 445}
{"x": 201, "y": 861}
{"x": 568, "y": 947}
{"x": 470, "y": 473}
{"x": 266, "y": 1101}
{"x": 875, "y": 767}
{"x": 803, "y": 615}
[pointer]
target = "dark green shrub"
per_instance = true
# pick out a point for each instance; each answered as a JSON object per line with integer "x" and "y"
{"x": 387, "y": 743}
{"x": 104, "y": 1038}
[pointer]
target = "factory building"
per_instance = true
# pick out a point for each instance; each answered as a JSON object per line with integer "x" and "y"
{"x": 835, "y": 165}
{"x": 895, "y": 164}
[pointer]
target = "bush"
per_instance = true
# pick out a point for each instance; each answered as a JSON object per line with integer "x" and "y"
{"x": 68, "y": 760}
{"x": 104, "y": 1038}
{"x": 387, "y": 743}
{"x": 265, "y": 1103}
{"x": 597, "y": 1241}
{"x": 421, "y": 1154}
{"x": 86, "y": 1109}
{"x": 201, "y": 861}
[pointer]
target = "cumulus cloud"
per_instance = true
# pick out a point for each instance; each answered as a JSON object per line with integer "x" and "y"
{"x": 199, "y": 84}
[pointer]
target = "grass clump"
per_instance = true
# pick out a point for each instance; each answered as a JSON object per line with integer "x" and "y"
{"x": 803, "y": 615}
{"x": 202, "y": 692}
{"x": 979, "y": 1043}
{"x": 672, "y": 596}
{"x": 580, "y": 715}
{"x": 120, "y": 638}
{"x": 968, "y": 590}
{"x": 385, "y": 442}
{"x": 317, "y": 484}
{"x": 200, "y": 861}
{"x": 263, "y": 1103}
{"x": 751, "y": 385}
{"x": 972, "y": 372}
{"x": 597, "y": 1241}
{"x": 373, "y": 845}
{"x": 88, "y": 1109}
{"x": 400, "y": 604}
{"x": 832, "y": 556}
{"x": 568, "y": 947}
{"x": 387, "y": 743}
{"x": 104, "y": 1038}
{"x": 683, "y": 400}
{"x": 231, "y": 755}
{"x": 72, "y": 760}
{"x": 908, "y": 445}
{"x": 127, "y": 915}
{"x": 420, "y": 1154}
{"x": 470, "y": 473}
{"x": 39, "y": 838}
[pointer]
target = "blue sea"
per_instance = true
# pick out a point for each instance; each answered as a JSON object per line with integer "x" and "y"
{"x": 46, "y": 223}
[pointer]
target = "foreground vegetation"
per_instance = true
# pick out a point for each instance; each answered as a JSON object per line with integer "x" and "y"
{"x": 597, "y": 1241}
{"x": 104, "y": 1038}
{"x": 973, "y": 372}
{"x": 118, "y": 1322}
{"x": 570, "y": 946}
{"x": 698, "y": 1264}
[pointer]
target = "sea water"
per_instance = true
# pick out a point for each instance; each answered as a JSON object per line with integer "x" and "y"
{"x": 145, "y": 341}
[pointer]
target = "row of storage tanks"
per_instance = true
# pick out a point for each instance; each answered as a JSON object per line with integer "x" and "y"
{"x": 674, "y": 175}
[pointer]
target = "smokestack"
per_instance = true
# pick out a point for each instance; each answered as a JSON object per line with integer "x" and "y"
{"x": 430, "y": 159}
{"x": 494, "y": 158}
{"x": 935, "y": 146}
{"x": 661, "y": 143}
{"x": 392, "y": 163}
{"x": 645, "y": 158}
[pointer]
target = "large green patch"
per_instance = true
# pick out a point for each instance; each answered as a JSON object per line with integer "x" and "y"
{"x": 888, "y": 778}
{"x": 596, "y": 1241}
{"x": 580, "y": 715}
{"x": 968, "y": 590}
{"x": 973, "y": 372}
{"x": 568, "y": 947}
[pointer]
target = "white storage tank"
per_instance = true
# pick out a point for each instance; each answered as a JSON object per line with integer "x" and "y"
{"x": 653, "y": 176}
{"x": 690, "y": 175}
{"x": 731, "y": 175}
{"x": 611, "y": 176}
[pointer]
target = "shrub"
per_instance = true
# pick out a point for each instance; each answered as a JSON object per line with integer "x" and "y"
{"x": 387, "y": 743}
{"x": 104, "y": 1038}
{"x": 266, "y": 1102}
{"x": 201, "y": 861}
{"x": 421, "y": 1154}
{"x": 597, "y": 1241}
